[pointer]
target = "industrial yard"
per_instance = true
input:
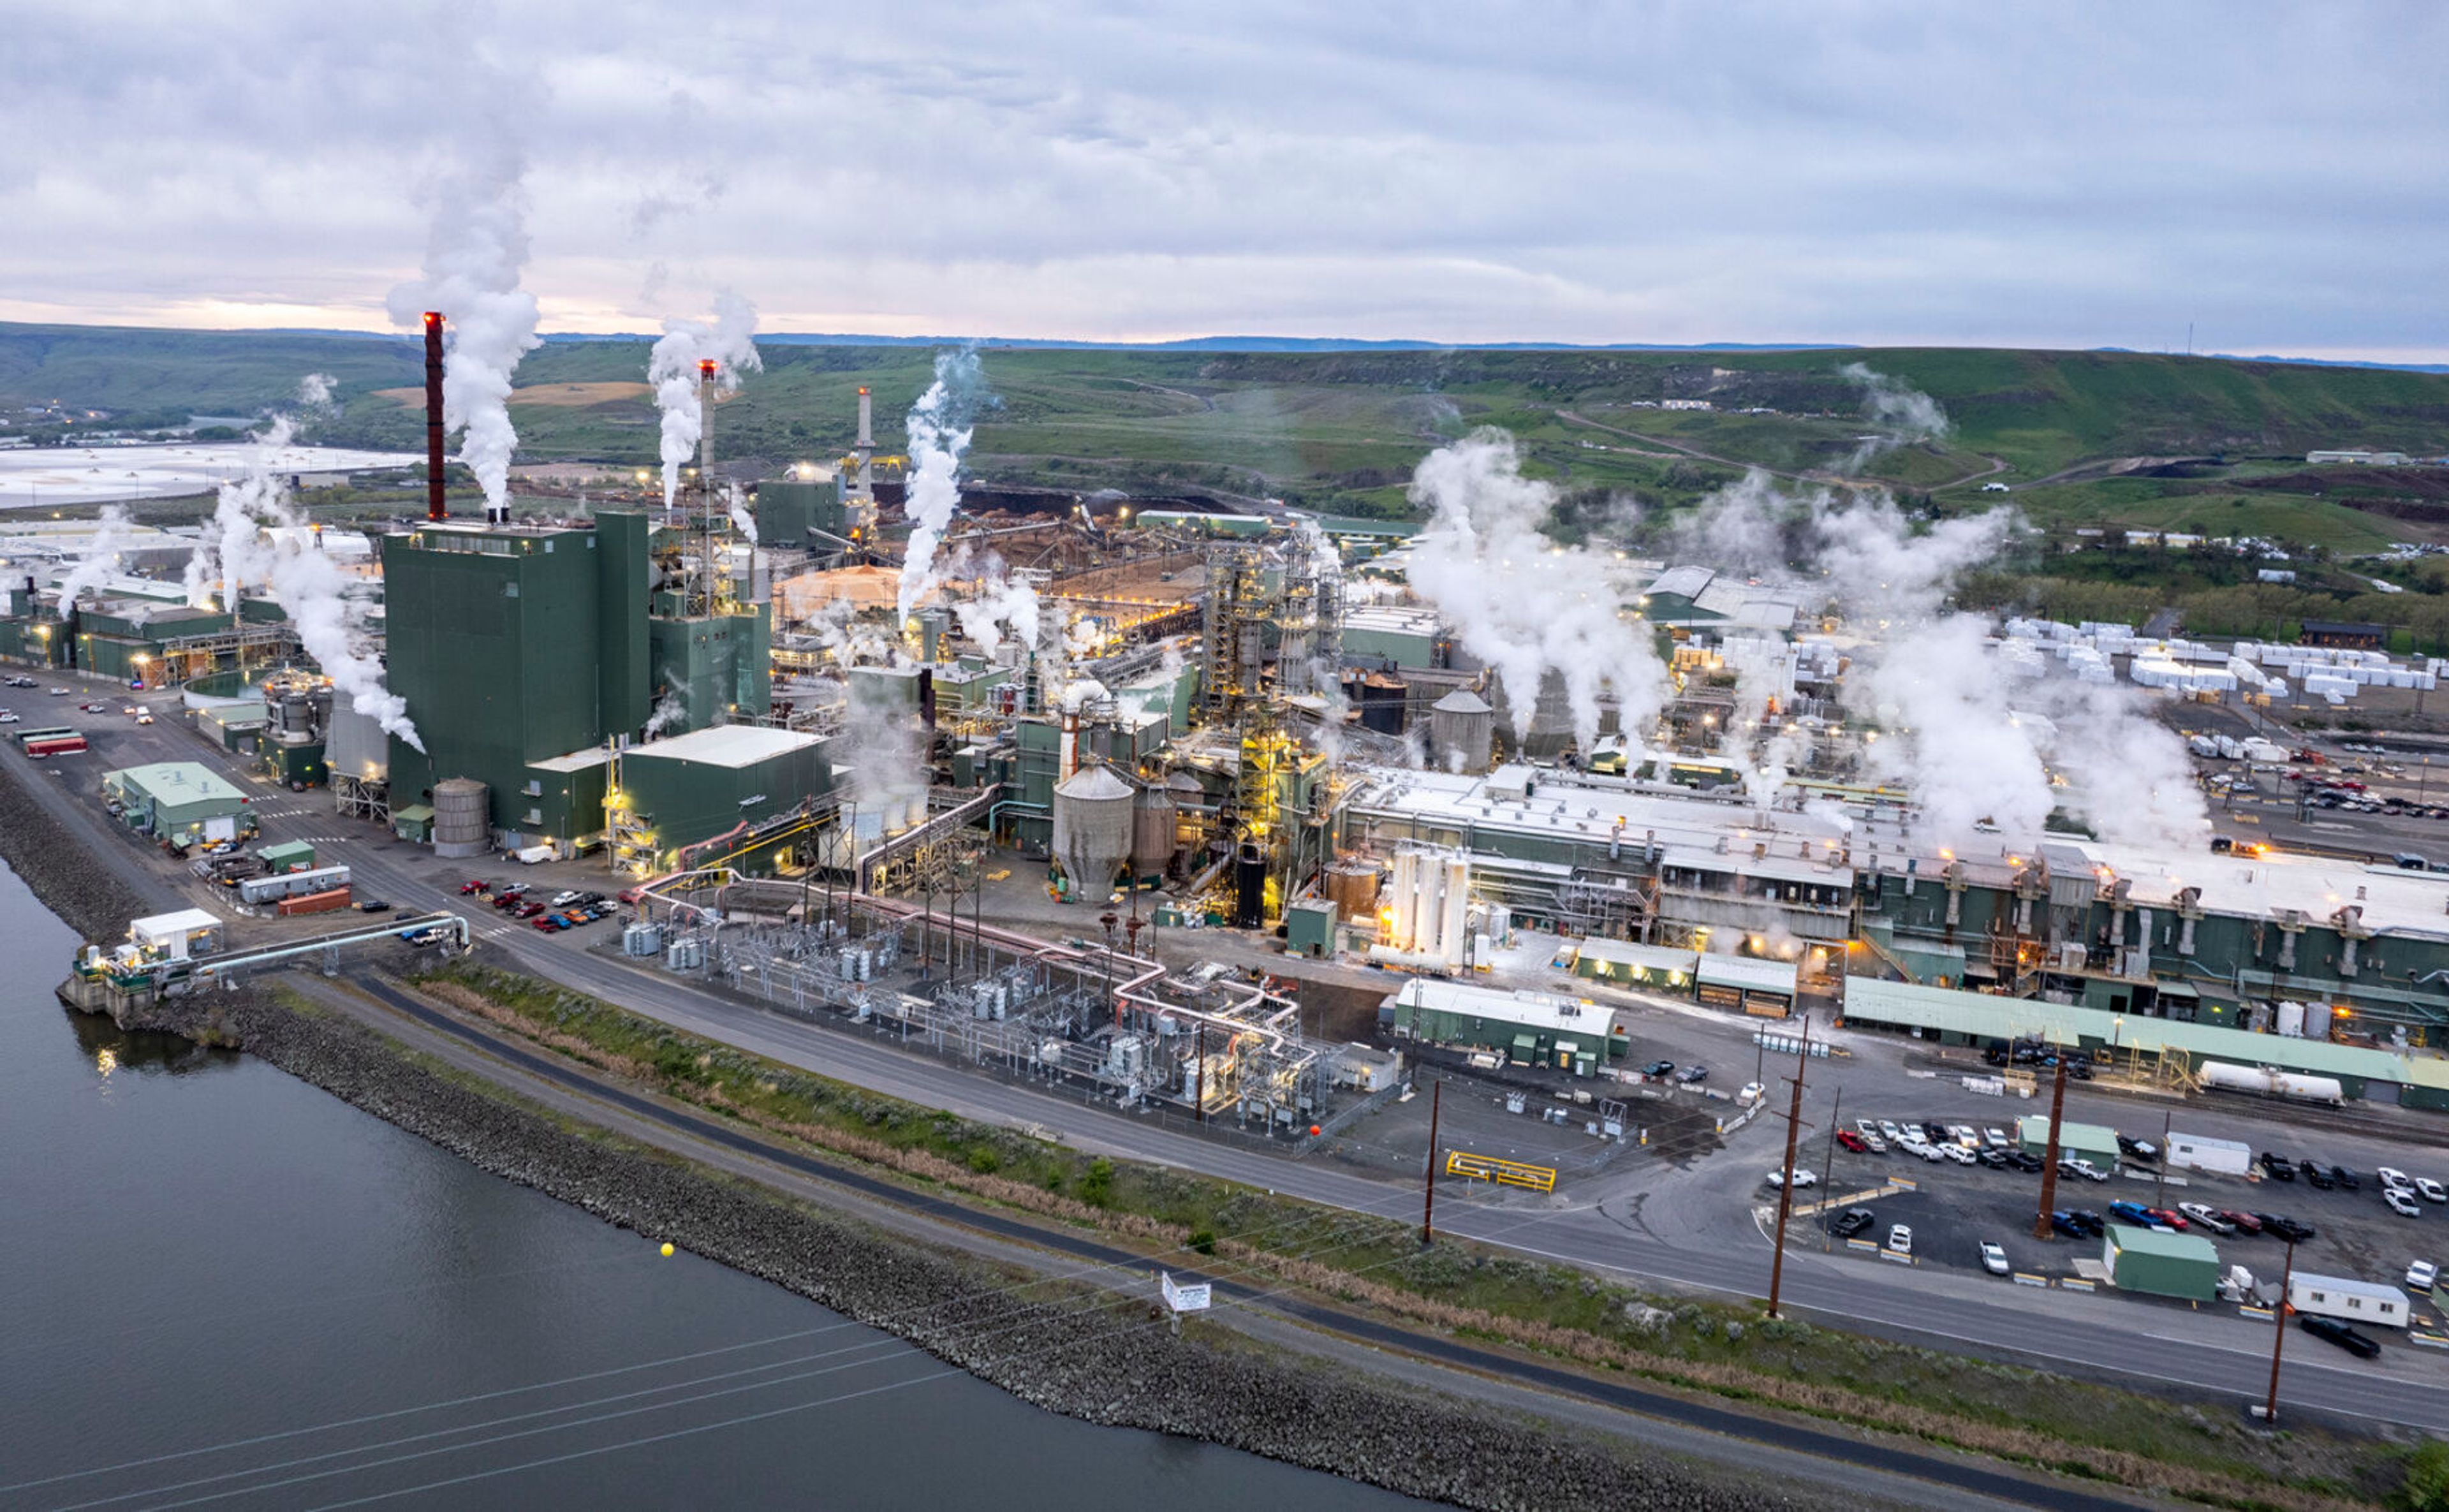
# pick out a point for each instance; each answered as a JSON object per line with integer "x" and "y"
{"x": 1330, "y": 858}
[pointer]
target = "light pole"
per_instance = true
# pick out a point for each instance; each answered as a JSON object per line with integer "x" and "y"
{"x": 2279, "y": 1332}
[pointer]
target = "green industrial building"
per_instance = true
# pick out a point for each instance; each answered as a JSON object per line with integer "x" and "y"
{"x": 2172, "y": 1265}
{"x": 526, "y": 653}
{"x": 2076, "y": 1141}
{"x": 179, "y": 803}
{"x": 786, "y": 510}
{"x": 1528, "y": 1028}
{"x": 680, "y": 794}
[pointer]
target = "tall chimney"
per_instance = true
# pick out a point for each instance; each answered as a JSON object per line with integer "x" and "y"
{"x": 434, "y": 507}
{"x": 866, "y": 419}
{"x": 706, "y": 433}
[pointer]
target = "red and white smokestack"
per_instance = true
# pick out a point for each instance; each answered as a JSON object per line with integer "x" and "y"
{"x": 435, "y": 506}
{"x": 705, "y": 369}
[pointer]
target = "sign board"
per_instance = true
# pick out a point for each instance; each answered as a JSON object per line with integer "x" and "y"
{"x": 1192, "y": 1297}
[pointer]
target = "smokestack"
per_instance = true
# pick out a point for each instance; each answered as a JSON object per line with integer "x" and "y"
{"x": 866, "y": 420}
{"x": 705, "y": 367}
{"x": 435, "y": 506}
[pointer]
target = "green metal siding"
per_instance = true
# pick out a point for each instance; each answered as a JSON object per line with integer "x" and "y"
{"x": 683, "y": 802}
{"x": 497, "y": 652}
{"x": 624, "y": 682}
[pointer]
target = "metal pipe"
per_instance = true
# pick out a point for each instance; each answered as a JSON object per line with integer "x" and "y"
{"x": 435, "y": 506}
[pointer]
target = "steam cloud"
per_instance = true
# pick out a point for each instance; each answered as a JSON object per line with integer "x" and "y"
{"x": 729, "y": 342}
{"x": 472, "y": 257}
{"x": 997, "y": 603}
{"x": 1522, "y": 603}
{"x": 237, "y": 551}
{"x": 315, "y": 391}
{"x": 1903, "y": 414}
{"x": 100, "y": 558}
{"x": 939, "y": 426}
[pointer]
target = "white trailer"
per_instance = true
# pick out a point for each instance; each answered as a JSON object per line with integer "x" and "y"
{"x": 2347, "y": 1299}
{"x": 2198, "y": 1152}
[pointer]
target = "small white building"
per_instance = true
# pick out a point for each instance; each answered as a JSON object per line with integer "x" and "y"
{"x": 187, "y": 932}
{"x": 2348, "y": 1300}
{"x": 2197, "y": 1152}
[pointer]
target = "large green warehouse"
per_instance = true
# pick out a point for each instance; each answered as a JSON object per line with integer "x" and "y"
{"x": 692, "y": 788}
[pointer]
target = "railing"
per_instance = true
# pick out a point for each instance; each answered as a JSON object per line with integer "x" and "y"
{"x": 1507, "y": 1173}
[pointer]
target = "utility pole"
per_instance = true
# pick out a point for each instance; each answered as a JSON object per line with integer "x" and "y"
{"x": 2279, "y": 1332}
{"x": 1429, "y": 1187}
{"x": 2160, "y": 1190}
{"x": 1199, "y": 1072}
{"x": 1786, "y": 1187}
{"x": 2050, "y": 1159}
{"x": 1828, "y": 1166}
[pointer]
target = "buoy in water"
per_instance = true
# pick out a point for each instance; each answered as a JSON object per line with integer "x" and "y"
{"x": 667, "y": 1249}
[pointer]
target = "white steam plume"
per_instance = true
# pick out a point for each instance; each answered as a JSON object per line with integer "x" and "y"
{"x": 1518, "y": 601}
{"x": 742, "y": 518}
{"x": 100, "y": 558}
{"x": 940, "y": 431}
{"x": 237, "y": 550}
{"x": 729, "y": 342}
{"x": 1903, "y": 414}
{"x": 315, "y": 391}
{"x": 999, "y": 603}
{"x": 472, "y": 257}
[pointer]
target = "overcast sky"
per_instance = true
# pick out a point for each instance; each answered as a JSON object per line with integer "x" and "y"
{"x": 2063, "y": 177}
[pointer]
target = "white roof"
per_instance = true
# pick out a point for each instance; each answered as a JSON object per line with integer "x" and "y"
{"x": 594, "y": 755}
{"x": 1531, "y": 1010}
{"x": 157, "y": 925}
{"x": 1624, "y": 953}
{"x": 1746, "y": 971}
{"x": 727, "y": 745}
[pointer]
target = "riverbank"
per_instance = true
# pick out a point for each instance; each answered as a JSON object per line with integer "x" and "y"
{"x": 1066, "y": 1348}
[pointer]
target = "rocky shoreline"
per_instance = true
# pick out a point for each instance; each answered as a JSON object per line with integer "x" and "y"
{"x": 1118, "y": 1367}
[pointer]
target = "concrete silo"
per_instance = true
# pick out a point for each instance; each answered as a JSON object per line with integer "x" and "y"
{"x": 1462, "y": 732}
{"x": 1093, "y": 830}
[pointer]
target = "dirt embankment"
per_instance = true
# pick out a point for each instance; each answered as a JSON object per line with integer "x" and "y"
{"x": 1117, "y": 1366}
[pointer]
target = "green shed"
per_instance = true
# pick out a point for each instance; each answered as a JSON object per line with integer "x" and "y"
{"x": 1309, "y": 929}
{"x": 2076, "y": 1141}
{"x": 293, "y": 855}
{"x": 2169, "y": 1265}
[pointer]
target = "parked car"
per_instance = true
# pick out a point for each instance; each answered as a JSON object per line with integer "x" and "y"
{"x": 1991, "y": 1159}
{"x": 2138, "y": 1148}
{"x": 1852, "y": 1141}
{"x": 2244, "y": 1222}
{"x": 526, "y": 910}
{"x": 2133, "y": 1213}
{"x": 1957, "y": 1152}
{"x": 549, "y": 922}
{"x": 1929, "y": 1152}
{"x": 2276, "y": 1166}
{"x": 2317, "y": 1175}
{"x": 2203, "y": 1213}
{"x": 1934, "y": 1131}
{"x": 2391, "y": 1177}
{"x": 564, "y": 898}
{"x": 1890, "y": 1132}
{"x": 1803, "y": 1177}
{"x": 2064, "y": 1222}
{"x": 2025, "y": 1160}
{"x": 2423, "y": 1277}
{"x": 2083, "y": 1168}
{"x": 2432, "y": 1190}
{"x": 1694, "y": 1075}
{"x": 1994, "y": 1259}
{"x": 2361, "y": 1346}
{"x": 2280, "y": 1226}
{"x": 2348, "y": 1180}
{"x": 1659, "y": 1068}
{"x": 1875, "y": 1144}
{"x": 1851, "y": 1222}
{"x": 2167, "y": 1218}
{"x": 2093, "y": 1224}
{"x": 1998, "y": 1139}
{"x": 374, "y": 906}
{"x": 475, "y": 885}
{"x": 1749, "y": 1094}
{"x": 1901, "y": 1238}
{"x": 2398, "y": 1201}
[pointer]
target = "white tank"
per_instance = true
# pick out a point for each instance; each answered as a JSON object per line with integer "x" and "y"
{"x": 2316, "y": 1020}
{"x": 2291, "y": 1020}
{"x": 2220, "y": 1076}
{"x": 2308, "y": 1088}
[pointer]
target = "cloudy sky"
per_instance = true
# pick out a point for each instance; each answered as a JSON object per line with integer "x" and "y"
{"x": 2066, "y": 175}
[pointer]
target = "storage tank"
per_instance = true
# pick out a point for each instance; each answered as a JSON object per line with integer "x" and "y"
{"x": 2316, "y": 1020}
{"x": 1093, "y": 830}
{"x": 2291, "y": 1020}
{"x": 1462, "y": 731}
{"x": 1352, "y": 886}
{"x": 1249, "y": 886}
{"x": 461, "y": 826}
{"x": 1153, "y": 831}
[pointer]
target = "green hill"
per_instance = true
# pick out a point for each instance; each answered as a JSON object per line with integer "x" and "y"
{"x": 1343, "y": 430}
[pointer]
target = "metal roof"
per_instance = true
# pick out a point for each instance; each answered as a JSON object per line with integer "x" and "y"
{"x": 726, "y": 745}
{"x": 594, "y": 755}
{"x": 155, "y": 925}
{"x": 178, "y": 783}
{"x": 1745, "y": 971}
{"x": 2167, "y": 1246}
{"x": 1981, "y": 1013}
{"x": 1528, "y": 1010}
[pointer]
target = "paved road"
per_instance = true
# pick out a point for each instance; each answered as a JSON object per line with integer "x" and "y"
{"x": 2095, "y": 1335}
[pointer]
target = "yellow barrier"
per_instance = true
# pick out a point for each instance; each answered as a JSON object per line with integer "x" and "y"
{"x": 1510, "y": 1173}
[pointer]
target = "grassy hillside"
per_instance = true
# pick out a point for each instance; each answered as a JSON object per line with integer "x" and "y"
{"x": 1343, "y": 430}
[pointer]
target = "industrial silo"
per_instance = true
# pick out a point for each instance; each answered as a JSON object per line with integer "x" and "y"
{"x": 1093, "y": 830}
{"x": 1153, "y": 833}
{"x": 1462, "y": 731}
{"x": 1351, "y": 887}
{"x": 460, "y": 826}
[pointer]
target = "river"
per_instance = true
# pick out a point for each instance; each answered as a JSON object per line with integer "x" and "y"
{"x": 224, "y": 1286}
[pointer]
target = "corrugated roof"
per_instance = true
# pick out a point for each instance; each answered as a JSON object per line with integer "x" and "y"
{"x": 594, "y": 755}
{"x": 160, "y": 924}
{"x": 1745, "y": 971}
{"x": 1539, "y": 1010}
{"x": 1982, "y": 1013}
{"x": 2167, "y": 1246}
{"x": 726, "y": 745}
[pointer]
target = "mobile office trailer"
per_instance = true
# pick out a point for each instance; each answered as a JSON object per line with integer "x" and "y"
{"x": 2348, "y": 1300}
{"x": 291, "y": 885}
